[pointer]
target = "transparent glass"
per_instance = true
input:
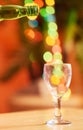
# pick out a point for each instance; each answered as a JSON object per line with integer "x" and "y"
{"x": 10, "y": 12}
{"x": 58, "y": 78}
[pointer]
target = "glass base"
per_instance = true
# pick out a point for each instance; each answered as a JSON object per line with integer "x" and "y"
{"x": 55, "y": 122}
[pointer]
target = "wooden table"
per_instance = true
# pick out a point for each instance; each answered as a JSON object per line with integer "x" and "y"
{"x": 36, "y": 119}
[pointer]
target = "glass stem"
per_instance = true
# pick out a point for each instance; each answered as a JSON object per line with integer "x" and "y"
{"x": 57, "y": 113}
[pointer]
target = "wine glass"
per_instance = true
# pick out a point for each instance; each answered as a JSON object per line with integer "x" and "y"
{"x": 58, "y": 78}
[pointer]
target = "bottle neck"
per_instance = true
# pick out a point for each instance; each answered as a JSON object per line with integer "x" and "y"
{"x": 9, "y": 12}
{"x": 32, "y": 10}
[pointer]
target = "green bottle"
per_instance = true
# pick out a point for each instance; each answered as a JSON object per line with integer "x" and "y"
{"x": 10, "y": 12}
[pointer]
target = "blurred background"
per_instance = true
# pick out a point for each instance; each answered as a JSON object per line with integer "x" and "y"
{"x": 22, "y": 45}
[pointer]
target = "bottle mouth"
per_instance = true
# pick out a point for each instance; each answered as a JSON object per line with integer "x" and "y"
{"x": 32, "y": 10}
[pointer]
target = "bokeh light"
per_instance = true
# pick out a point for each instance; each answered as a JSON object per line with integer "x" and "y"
{"x": 50, "y": 41}
{"x": 58, "y": 72}
{"x": 47, "y": 56}
{"x": 33, "y": 23}
{"x": 34, "y": 36}
{"x": 28, "y": 1}
{"x": 57, "y": 55}
{"x": 56, "y": 48}
{"x": 52, "y": 37}
{"x": 50, "y": 10}
{"x": 55, "y": 80}
{"x": 43, "y": 12}
{"x": 50, "y": 2}
{"x": 52, "y": 25}
{"x": 53, "y": 33}
{"x": 39, "y": 2}
{"x": 50, "y": 18}
{"x": 29, "y": 33}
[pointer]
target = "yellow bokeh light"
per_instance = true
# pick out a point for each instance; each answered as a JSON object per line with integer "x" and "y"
{"x": 57, "y": 55}
{"x": 50, "y": 2}
{"x": 55, "y": 80}
{"x": 50, "y": 41}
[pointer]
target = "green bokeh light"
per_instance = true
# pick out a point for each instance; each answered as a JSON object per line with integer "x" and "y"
{"x": 52, "y": 25}
{"x": 58, "y": 72}
{"x": 43, "y": 12}
{"x": 50, "y": 10}
{"x": 47, "y": 56}
{"x": 28, "y": 1}
{"x": 53, "y": 33}
{"x": 57, "y": 55}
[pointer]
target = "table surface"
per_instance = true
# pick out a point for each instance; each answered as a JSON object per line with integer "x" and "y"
{"x": 36, "y": 119}
{"x": 34, "y": 110}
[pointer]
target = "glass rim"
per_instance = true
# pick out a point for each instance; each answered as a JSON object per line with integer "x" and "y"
{"x": 57, "y": 63}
